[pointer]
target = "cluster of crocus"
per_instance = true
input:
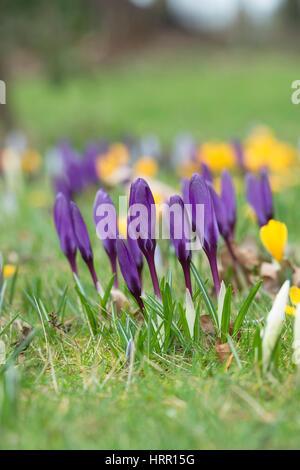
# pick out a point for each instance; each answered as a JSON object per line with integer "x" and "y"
{"x": 180, "y": 241}
{"x": 141, "y": 195}
{"x": 200, "y": 194}
{"x": 73, "y": 235}
{"x": 102, "y": 200}
{"x": 76, "y": 172}
{"x": 128, "y": 253}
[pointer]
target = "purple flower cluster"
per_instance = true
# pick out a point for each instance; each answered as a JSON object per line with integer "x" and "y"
{"x": 73, "y": 235}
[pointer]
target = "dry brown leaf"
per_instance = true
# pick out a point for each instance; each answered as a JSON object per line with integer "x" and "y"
{"x": 119, "y": 298}
{"x": 269, "y": 273}
{"x": 223, "y": 350}
{"x": 296, "y": 276}
{"x": 208, "y": 330}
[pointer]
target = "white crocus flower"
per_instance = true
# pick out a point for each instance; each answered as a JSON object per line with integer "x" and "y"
{"x": 296, "y": 343}
{"x": 274, "y": 323}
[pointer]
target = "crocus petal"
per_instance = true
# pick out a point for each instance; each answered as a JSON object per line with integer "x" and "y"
{"x": 65, "y": 230}
{"x": 108, "y": 238}
{"x": 179, "y": 222}
{"x": 200, "y": 194}
{"x": 185, "y": 190}
{"x": 259, "y": 196}
{"x": 81, "y": 233}
{"x": 190, "y": 312}
{"x": 140, "y": 193}
{"x": 255, "y": 199}
{"x": 221, "y": 298}
{"x": 221, "y": 213}
{"x": 206, "y": 173}
{"x": 289, "y": 310}
{"x": 267, "y": 195}
{"x": 84, "y": 244}
{"x": 229, "y": 199}
{"x": 129, "y": 270}
{"x": 274, "y": 238}
{"x": 274, "y": 323}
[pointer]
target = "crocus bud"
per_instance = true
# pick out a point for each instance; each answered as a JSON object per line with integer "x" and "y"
{"x": 142, "y": 219}
{"x": 180, "y": 236}
{"x": 206, "y": 173}
{"x": 129, "y": 271}
{"x": 239, "y": 153}
{"x": 229, "y": 200}
{"x": 136, "y": 253}
{"x": 200, "y": 194}
{"x": 105, "y": 214}
{"x": 83, "y": 243}
{"x": 185, "y": 190}
{"x": 221, "y": 213}
{"x": 259, "y": 196}
{"x": 64, "y": 227}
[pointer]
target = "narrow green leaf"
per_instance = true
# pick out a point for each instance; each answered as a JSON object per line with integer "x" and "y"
{"x": 209, "y": 304}
{"x": 245, "y": 307}
{"x": 226, "y": 314}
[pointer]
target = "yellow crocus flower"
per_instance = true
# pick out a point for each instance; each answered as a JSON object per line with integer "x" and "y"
{"x": 295, "y": 299}
{"x": 274, "y": 237}
{"x": 146, "y": 166}
{"x": 217, "y": 155}
{"x": 9, "y": 270}
{"x": 31, "y": 161}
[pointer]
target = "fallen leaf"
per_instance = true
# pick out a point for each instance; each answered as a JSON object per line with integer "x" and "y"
{"x": 119, "y": 299}
{"x": 223, "y": 350}
{"x": 269, "y": 273}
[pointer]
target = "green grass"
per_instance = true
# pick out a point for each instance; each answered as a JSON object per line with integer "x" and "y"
{"x": 68, "y": 389}
{"x": 211, "y": 94}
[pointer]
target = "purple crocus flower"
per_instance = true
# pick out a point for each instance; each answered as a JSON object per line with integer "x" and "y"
{"x": 84, "y": 244}
{"x": 104, "y": 211}
{"x": 129, "y": 271}
{"x": 259, "y": 196}
{"x": 72, "y": 167}
{"x": 185, "y": 190}
{"x": 239, "y": 153}
{"x": 200, "y": 194}
{"x": 179, "y": 221}
{"x": 64, "y": 227}
{"x": 221, "y": 213}
{"x": 228, "y": 198}
{"x": 144, "y": 230}
{"x": 206, "y": 173}
{"x": 136, "y": 252}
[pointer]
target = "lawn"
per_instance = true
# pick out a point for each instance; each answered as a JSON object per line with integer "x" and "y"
{"x": 73, "y": 389}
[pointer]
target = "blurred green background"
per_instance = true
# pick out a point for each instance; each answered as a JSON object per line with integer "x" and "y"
{"x": 86, "y": 69}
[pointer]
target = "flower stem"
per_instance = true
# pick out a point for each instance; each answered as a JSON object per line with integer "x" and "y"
{"x": 97, "y": 284}
{"x": 153, "y": 273}
{"x": 214, "y": 271}
{"x": 73, "y": 265}
{"x": 141, "y": 305}
{"x": 113, "y": 262}
{"x": 187, "y": 277}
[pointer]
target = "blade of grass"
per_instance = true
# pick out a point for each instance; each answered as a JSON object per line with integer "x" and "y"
{"x": 209, "y": 304}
